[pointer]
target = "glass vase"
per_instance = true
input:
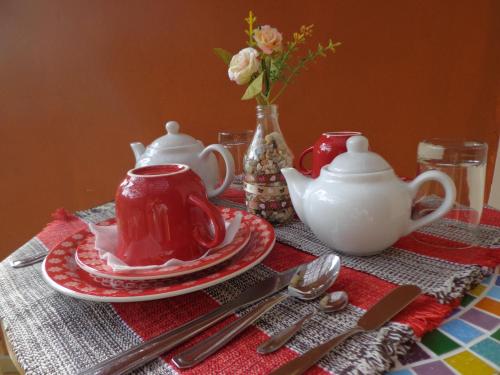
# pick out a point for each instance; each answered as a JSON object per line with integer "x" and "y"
{"x": 266, "y": 191}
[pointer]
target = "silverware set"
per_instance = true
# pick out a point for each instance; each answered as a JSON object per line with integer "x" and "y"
{"x": 309, "y": 282}
{"x": 374, "y": 318}
{"x": 305, "y": 282}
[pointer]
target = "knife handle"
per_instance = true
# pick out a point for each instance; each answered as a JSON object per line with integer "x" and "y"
{"x": 147, "y": 351}
{"x": 28, "y": 261}
{"x": 300, "y": 364}
{"x": 199, "y": 352}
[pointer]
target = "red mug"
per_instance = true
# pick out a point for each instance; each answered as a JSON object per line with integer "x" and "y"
{"x": 163, "y": 212}
{"x": 327, "y": 147}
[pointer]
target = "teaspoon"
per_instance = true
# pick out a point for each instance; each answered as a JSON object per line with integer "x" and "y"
{"x": 331, "y": 302}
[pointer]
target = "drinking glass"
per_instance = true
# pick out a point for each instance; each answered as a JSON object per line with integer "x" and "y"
{"x": 465, "y": 163}
{"x": 237, "y": 144}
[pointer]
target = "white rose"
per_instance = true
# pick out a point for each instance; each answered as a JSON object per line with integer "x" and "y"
{"x": 243, "y": 65}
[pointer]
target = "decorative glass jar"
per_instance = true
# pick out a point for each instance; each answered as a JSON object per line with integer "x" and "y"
{"x": 265, "y": 187}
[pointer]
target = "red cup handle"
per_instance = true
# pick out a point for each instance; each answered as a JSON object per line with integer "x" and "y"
{"x": 301, "y": 167}
{"x": 215, "y": 217}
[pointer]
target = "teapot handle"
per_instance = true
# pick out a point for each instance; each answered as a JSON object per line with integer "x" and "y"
{"x": 449, "y": 198}
{"x": 228, "y": 159}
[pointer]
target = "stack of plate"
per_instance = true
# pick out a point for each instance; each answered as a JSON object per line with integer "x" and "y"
{"x": 75, "y": 268}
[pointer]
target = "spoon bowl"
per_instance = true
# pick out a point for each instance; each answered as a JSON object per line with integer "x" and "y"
{"x": 334, "y": 301}
{"x": 312, "y": 279}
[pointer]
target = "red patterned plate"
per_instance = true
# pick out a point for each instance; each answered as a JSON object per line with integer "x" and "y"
{"x": 63, "y": 274}
{"x": 87, "y": 257}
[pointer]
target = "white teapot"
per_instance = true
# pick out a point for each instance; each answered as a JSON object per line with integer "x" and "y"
{"x": 175, "y": 147}
{"x": 358, "y": 205}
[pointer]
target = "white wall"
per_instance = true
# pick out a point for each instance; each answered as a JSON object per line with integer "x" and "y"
{"x": 495, "y": 186}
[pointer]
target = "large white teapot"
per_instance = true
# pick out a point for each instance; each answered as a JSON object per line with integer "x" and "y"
{"x": 175, "y": 147}
{"x": 358, "y": 205}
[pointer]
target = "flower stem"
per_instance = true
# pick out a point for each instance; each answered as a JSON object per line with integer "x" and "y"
{"x": 267, "y": 76}
{"x": 261, "y": 99}
{"x": 285, "y": 84}
{"x": 303, "y": 62}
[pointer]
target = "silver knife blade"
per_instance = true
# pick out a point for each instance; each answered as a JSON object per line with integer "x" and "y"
{"x": 147, "y": 351}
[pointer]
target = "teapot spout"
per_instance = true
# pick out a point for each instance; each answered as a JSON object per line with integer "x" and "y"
{"x": 138, "y": 149}
{"x": 297, "y": 185}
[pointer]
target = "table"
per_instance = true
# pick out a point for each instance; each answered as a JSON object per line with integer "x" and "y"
{"x": 468, "y": 342}
{"x": 436, "y": 352}
{"x": 8, "y": 362}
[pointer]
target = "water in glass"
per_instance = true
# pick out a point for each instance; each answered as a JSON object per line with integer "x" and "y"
{"x": 465, "y": 163}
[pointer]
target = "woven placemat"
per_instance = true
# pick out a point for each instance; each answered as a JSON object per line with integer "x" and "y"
{"x": 51, "y": 333}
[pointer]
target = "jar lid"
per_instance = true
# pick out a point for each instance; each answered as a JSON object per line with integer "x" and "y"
{"x": 358, "y": 159}
{"x": 173, "y": 138}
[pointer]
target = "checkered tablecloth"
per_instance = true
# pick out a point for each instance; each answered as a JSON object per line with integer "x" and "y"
{"x": 51, "y": 333}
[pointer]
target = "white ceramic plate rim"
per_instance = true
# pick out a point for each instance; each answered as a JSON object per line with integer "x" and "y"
{"x": 117, "y": 276}
{"x": 152, "y": 297}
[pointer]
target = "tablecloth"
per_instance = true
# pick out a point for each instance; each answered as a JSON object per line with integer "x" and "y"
{"x": 468, "y": 342}
{"x": 50, "y": 332}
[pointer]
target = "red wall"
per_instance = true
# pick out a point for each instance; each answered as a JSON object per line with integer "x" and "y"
{"x": 79, "y": 80}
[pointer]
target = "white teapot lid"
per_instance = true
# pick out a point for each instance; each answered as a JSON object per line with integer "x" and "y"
{"x": 358, "y": 159}
{"x": 173, "y": 138}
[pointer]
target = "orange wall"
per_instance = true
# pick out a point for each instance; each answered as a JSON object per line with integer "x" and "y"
{"x": 79, "y": 80}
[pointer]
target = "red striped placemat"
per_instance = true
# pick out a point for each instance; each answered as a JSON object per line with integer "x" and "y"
{"x": 51, "y": 333}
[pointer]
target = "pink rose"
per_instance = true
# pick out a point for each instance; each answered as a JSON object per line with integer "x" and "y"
{"x": 268, "y": 39}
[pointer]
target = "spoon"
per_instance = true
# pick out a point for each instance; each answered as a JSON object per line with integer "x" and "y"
{"x": 331, "y": 302}
{"x": 310, "y": 281}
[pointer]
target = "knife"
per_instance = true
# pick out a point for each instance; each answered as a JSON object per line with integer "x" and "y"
{"x": 374, "y": 318}
{"x": 151, "y": 349}
{"x": 27, "y": 261}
